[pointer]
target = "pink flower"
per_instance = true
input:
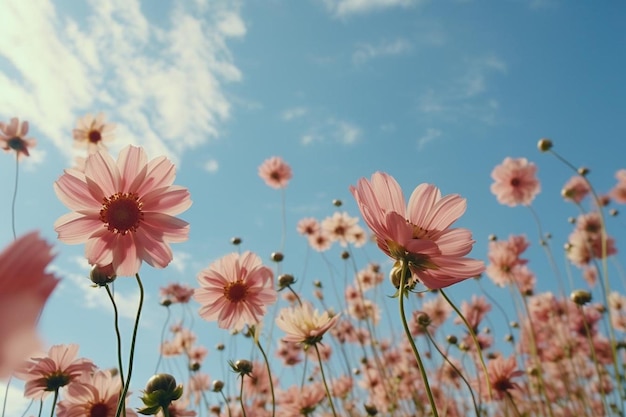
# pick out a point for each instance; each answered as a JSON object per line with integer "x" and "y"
{"x": 275, "y": 172}
{"x": 13, "y": 137}
{"x": 124, "y": 211}
{"x": 419, "y": 233}
{"x": 515, "y": 182}
{"x": 308, "y": 226}
{"x": 501, "y": 374}
{"x": 176, "y": 293}
{"x": 94, "y": 394}
{"x": 48, "y": 373}
{"x": 235, "y": 290}
{"x": 24, "y": 289}
{"x": 575, "y": 189}
{"x": 91, "y": 132}
{"x": 304, "y": 325}
{"x": 618, "y": 192}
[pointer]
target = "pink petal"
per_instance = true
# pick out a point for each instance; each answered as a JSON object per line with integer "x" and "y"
{"x": 100, "y": 169}
{"x": 160, "y": 173}
{"x": 421, "y": 202}
{"x": 73, "y": 228}
{"x": 126, "y": 261}
{"x": 165, "y": 228}
{"x": 73, "y": 191}
{"x": 171, "y": 200}
{"x": 131, "y": 162}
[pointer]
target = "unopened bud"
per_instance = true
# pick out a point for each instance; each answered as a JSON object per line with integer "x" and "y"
{"x": 580, "y": 297}
{"x": 277, "y": 257}
{"x": 544, "y": 144}
{"x": 102, "y": 275}
{"x": 235, "y": 241}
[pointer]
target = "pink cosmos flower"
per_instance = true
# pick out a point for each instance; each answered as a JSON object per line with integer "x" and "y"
{"x": 176, "y": 293}
{"x": 304, "y": 325}
{"x": 235, "y": 290}
{"x": 24, "y": 289}
{"x": 308, "y": 226}
{"x": 48, "y": 373}
{"x": 515, "y": 182}
{"x": 124, "y": 211}
{"x": 93, "y": 394}
{"x": 275, "y": 172}
{"x": 575, "y": 189}
{"x": 419, "y": 233}
{"x": 618, "y": 192}
{"x": 13, "y": 137}
{"x": 91, "y": 132}
{"x": 501, "y": 376}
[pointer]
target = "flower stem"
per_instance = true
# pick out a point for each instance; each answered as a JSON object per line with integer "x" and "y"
{"x": 117, "y": 334}
{"x": 401, "y": 294}
{"x": 330, "y": 398}
{"x": 17, "y": 172}
{"x": 243, "y": 407}
{"x": 269, "y": 375}
{"x": 156, "y": 369}
{"x": 121, "y": 405}
{"x": 54, "y": 402}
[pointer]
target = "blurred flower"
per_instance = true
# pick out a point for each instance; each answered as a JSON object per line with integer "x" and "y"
{"x": 618, "y": 192}
{"x": 13, "y": 137}
{"x": 304, "y": 325}
{"x": 501, "y": 374}
{"x": 308, "y": 226}
{"x": 575, "y": 189}
{"x": 515, "y": 182}
{"x": 24, "y": 289}
{"x": 177, "y": 293}
{"x": 275, "y": 172}
{"x": 93, "y": 394}
{"x": 91, "y": 132}
{"x": 48, "y": 373}
{"x": 235, "y": 290}
{"x": 136, "y": 203}
{"x": 419, "y": 233}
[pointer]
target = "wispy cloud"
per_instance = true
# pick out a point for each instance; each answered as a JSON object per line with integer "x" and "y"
{"x": 294, "y": 113}
{"x": 161, "y": 84}
{"x": 332, "y": 130}
{"x": 211, "y": 166}
{"x": 365, "y": 51}
{"x": 430, "y": 135}
{"x": 344, "y": 8}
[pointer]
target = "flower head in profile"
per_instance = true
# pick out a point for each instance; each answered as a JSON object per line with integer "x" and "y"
{"x": 515, "y": 182}
{"x": 13, "y": 137}
{"x": 124, "y": 211}
{"x": 275, "y": 172}
{"x": 48, "y": 373}
{"x": 235, "y": 290}
{"x": 419, "y": 233}
{"x": 24, "y": 288}
{"x": 304, "y": 325}
{"x": 92, "y": 132}
{"x": 502, "y": 373}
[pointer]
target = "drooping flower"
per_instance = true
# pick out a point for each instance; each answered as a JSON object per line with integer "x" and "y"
{"x": 235, "y": 290}
{"x": 124, "y": 211}
{"x": 13, "y": 137}
{"x": 515, "y": 182}
{"x": 93, "y": 394}
{"x": 304, "y": 325}
{"x": 47, "y": 373}
{"x": 502, "y": 373}
{"x": 418, "y": 234}
{"x": 92, "y": 132}
{"x": 275, "y": 172}
{"x": 24, "y": 288}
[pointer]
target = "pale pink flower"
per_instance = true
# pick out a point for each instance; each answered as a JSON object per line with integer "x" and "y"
{"x": 176, "y": 293}
{"x": 308, "y": 226}
{"x": 501, "y": 376}
{"x": 48, "y": 373}
{"x": 419, "y": 233}
{"x": 515, "y": 182}
{"x": 13, "y": 137}
{"x": 178, "y": 408}
{"x": 24, "y": 288}
{"x": 235, "y": 290}
{"x": 320, "y": 241}
{"x": 618, "y": 192}
{"x": 304, "y": 325}
{"x": 91, "y": 132}
{"x": 124, "y": 211}
{"x": 275, "y": 172}
{"x": 341, "y": 227}
{"x": 93, "y": 394}
{"x": 575, "y": 189}
{"x": 298, "y": 400}
{"x": 199, "y": 382}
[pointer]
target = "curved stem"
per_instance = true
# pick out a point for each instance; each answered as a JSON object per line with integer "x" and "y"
{"x": 156, "y": 369}
{"x": 227, "y": 403}
{"x": 330, "y": 398}
{"x": 6, "y": 395}
{"x": 243, "y": 408}
{"x": 269, "y": 375}
{"x": 117, "y": 334}
{"x": 17, "y": 172}
{"x": 122, "y": 400}
{"x": 54, "y": 402}
{"x": 401, "y": 294}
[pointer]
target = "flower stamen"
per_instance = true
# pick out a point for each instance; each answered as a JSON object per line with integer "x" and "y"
{"x": 122, "y": 212}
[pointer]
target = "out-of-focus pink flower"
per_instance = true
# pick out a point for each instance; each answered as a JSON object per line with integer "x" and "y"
{"x": 275, "y": 172}
{"x": 515, "y": 182}
{"x": 47, "y": 373}
{"x": 124, "y": 211}
{"x": 93, "y": 394}
{"x": 300, "y": 400}
{"x": 176, "y": 293}
{"x": 92, "y": 132}
{"x": 304, "y": 325}
{"x": 618, "y": 192}
{"x": 13, "y": 137}
{"x": 575, "y": 189}
{"x": 343, "y": 228}
{"x": 418, "y": 234}
{"x": 308, "y": 226}
{"x": 320, "y": 241}
{"x": 24, "y": 289}
{"x": 501, "y": 376}
{"x": 235, "y": 290}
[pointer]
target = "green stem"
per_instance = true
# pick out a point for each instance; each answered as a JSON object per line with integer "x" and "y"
{"x": 243, "y": 408}
{"x": 117, "y": 334}
{"x": 269, "y": 375}
{"x": 6, "y": 395}
{"x": 401, "y": 294}
{"x": 17, "y": 172}
{"x": 227, "y": 403}
{"x": 54, "y": 402}
{"x": 122, "y": 400}
{"x": 330, "y": 398}
{"x": 156, "y": 369}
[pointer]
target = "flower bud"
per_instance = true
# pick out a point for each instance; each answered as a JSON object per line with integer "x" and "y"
{"x": 580, "y": 297}
{"x": 160, "y": 391}
{"x": 217, "y": 386}
{"x": 235, "y": 241}
{"x": 337, "y": 203}
{"x": 277, "y": 257}
{"x": 285, "y": 280}
{"x": 102, "y": 275}
{"x": 544, "y": 144}
{"x": 242, "y": 367}
{"x": 371, "y": 409}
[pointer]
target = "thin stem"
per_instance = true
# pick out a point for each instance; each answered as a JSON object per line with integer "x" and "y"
{"x": 54, "y": 402}
{"x": 122, "y": 401}
{"x": 269, "y": 374}
{"x": 243, "y": 408}
{"x": 117, "y": 334}
{"x": 6, "y": 395}
{"x": 401, "y": 294}
{"x": 330, "y": 398}
{"x": 28, "y": 408}
{"x": 17, "y": 172}
{"x": 156, "y": 369}
{"x": 40, "y": 407}
{"x": 227, "y": 403}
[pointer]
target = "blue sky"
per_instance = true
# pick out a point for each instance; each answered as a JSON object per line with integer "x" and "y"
{"x": 429, "y": 91}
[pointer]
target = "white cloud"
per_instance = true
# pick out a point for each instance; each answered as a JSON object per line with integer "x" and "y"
{"x": 343, "y": 8}
{"x": 335, "y": 131}
{"x": 211, "y": 166}
{"x": 430, "y": 135}
{"x": 180, "y": 261}
{"x": 347, "y": 133}
{"x": 366, "y": 51}
{"x": 162, "y": 84}
{"x": 294, "y": 113}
